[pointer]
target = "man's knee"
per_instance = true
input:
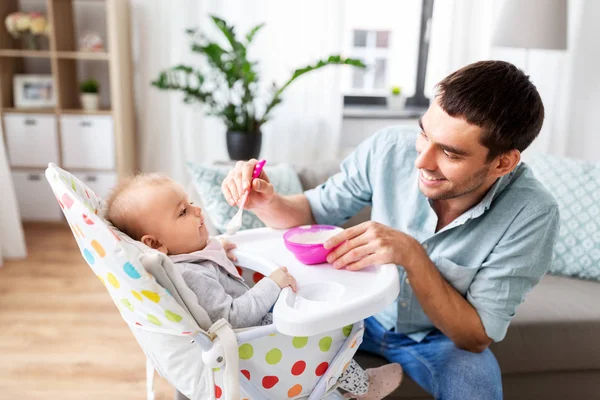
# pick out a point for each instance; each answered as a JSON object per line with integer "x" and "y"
{"x": 470, "y": 376}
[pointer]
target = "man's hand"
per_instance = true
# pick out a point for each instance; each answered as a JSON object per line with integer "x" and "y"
{"x": 228, "y": 247}
{"x": 372, "y": 243}
{"x": 275, "y": 211}
{"x": 238, "y": 181}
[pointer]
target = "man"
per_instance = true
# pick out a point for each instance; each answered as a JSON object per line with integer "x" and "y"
{"x": 468, "y": 225}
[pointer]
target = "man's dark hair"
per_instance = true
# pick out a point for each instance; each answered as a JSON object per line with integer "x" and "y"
{"x": 498, "y": 97}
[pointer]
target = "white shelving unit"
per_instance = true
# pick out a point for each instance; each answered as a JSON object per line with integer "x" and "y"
{"x": 98, "y": 146}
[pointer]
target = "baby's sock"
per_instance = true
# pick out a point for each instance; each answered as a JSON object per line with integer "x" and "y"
{"x": 382, "y": 381}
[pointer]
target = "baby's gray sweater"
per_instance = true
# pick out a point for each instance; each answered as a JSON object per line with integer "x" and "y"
{"x": 224, "y": 296}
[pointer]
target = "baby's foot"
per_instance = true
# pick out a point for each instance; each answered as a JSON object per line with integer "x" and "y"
{"x": 382, "y": 381}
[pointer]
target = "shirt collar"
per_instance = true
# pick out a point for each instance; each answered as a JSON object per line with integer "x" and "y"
{"x": 496, "y": 189}
{"x": 476, "y": 211}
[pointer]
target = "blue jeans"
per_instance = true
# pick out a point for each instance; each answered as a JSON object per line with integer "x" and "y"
{"x": 436, "y": 364}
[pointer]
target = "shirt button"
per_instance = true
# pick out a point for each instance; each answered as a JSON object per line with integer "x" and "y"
{"x": 425, "y": 246}
{"x": 407, "y": 281}
{"x": 403, "y": 304}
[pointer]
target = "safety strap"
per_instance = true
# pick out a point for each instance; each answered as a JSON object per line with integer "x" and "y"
{"x": 149, "y": 380}
{"x": 229, "y": 343}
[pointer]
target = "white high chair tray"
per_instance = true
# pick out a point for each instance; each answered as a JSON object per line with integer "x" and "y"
{"x": 326, "y": 298}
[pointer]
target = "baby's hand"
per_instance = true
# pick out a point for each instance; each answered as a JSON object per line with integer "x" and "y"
{"x": 283, "y": 278}
{"x": 228, "y": 246}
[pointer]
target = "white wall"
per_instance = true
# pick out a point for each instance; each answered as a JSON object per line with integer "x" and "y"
{"x": 582, "y": 100}
{"x": 356, "y": 130}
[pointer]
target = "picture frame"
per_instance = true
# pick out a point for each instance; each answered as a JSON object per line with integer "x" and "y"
{"x": 34, "y": 91}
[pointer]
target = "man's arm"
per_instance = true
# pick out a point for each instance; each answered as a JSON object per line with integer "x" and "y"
{"x": 449, "y": 311}
{"x": 332, "y": 203}
{"x": 515, "y": 266}
{"x": 371, "y": 243}
{"x": 286, "y": 212}
{"x": 447, "y": 308}
{"x": 274, "y": 210}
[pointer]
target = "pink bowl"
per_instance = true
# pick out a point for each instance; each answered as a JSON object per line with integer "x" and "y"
{"x": 309, "y": 254}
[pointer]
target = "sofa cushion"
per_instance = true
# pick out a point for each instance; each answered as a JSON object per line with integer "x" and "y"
{"x": 555, "y": 329}
{"x": 576, "y": 187}
{"x": 318, "y": 172}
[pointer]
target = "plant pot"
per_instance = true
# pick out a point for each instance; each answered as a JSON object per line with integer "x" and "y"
{"x": 243, "y": 145}
{"x": 396, "y": 102}
{"x": 89, "y": 101}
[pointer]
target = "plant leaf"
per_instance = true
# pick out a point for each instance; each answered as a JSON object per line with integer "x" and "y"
{"x": 332, "y": 60}
{"x": 178, "y": 79}
{"x": 250, "y": 35}
{"x": 228, "y": 31}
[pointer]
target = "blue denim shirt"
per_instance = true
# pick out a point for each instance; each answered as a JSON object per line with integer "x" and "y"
{"x": 493, "y": 254}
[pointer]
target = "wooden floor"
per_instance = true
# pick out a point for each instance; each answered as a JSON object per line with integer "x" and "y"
{"x": 61, "y": 336}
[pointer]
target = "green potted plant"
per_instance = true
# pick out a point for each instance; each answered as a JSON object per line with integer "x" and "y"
{"x": 228, "y": 86}
{"x": 396, "y": 100}
{"x": 89, "y": 94}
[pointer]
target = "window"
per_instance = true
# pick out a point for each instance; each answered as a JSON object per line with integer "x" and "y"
{"x": 372, "y": 48}
{"x": 386, "y": 35}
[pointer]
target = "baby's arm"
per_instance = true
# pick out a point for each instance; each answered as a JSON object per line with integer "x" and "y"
{"x": 241, "y": 312}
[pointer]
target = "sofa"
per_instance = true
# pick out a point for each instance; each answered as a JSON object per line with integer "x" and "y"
{"x": 552, "y": 348}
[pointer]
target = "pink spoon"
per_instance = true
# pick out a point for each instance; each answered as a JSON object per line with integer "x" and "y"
{"x": 236, "y": 222}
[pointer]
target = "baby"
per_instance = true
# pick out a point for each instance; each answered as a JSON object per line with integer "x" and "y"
{"x": 156, "y": 211}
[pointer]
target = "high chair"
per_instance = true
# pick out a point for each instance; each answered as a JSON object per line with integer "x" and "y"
{"x": 300, "y": 356}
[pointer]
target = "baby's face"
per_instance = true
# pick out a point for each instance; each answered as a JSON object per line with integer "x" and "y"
{"x": 170, "y": 219}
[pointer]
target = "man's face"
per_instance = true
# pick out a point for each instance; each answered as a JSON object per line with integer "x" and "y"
{"x": 172, "y": 219}
{"x": 451, "y": 161}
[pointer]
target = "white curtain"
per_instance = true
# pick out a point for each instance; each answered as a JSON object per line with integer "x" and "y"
{"x": 568, "y": 81}
{"x": 305, "y": 127}
{"x": 12, "y": 240}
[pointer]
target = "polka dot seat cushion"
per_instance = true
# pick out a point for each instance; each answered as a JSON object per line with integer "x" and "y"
{"x": 283, "y": 367}
{"x": 137, "y": 295}
{"x": 275, "y": 366}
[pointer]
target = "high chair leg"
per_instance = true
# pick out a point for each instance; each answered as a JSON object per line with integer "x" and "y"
{"x": 179, "y": 396}
{"x": 149, "y": 380}
{"x": 335, "y": 395}
{"x": 321, "y": 386}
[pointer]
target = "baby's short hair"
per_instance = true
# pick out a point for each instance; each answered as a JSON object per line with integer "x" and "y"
{"x": 122, "y": 204}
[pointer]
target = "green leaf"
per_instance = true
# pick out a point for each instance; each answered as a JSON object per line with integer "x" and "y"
{"x": 183, "y": 68}
{"x": 332, "y": 60}
{"x": 212, "y": 51}
{"x": 178, "y": 79}
{"x": 250, "y": 35}
{"x": 228, "y": 31}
